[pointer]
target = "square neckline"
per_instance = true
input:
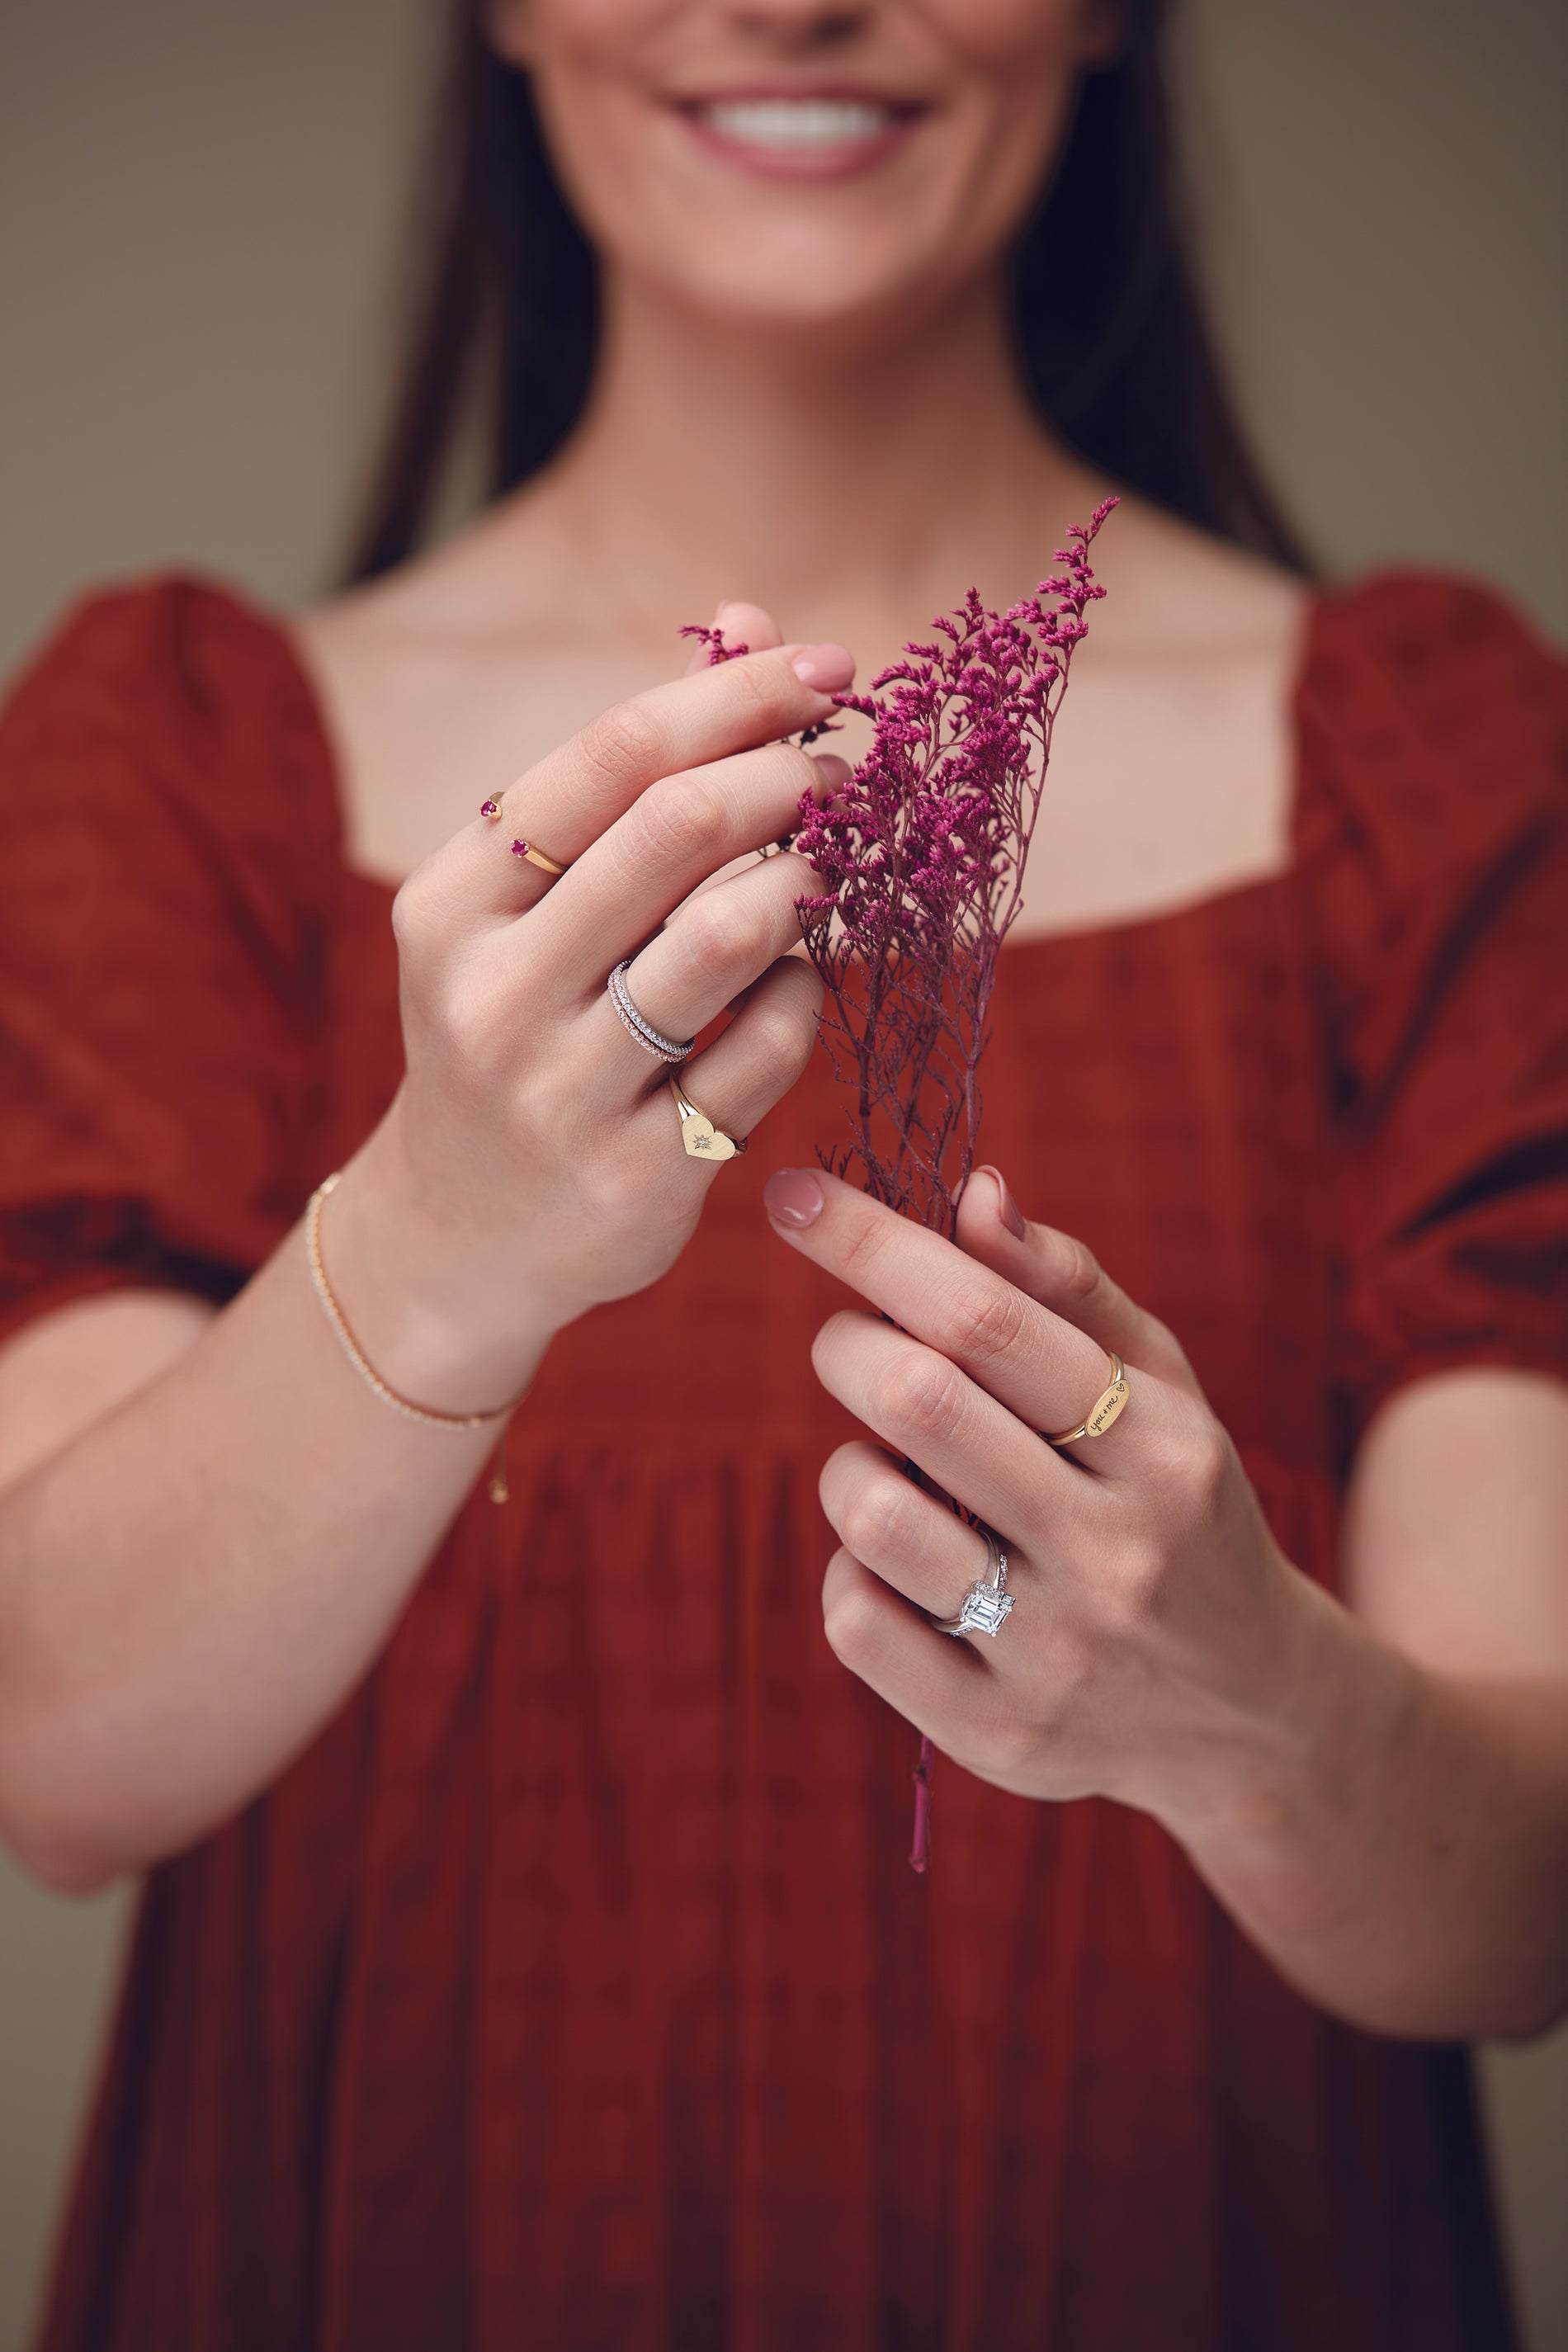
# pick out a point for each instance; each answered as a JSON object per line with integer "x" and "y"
{"x": 1231, "y": 895}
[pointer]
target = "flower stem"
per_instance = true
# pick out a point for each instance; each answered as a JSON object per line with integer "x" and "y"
{"x": 920, "y": 1850}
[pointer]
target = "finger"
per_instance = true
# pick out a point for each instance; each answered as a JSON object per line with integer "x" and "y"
{"x": 580, "y": 789}
{"x": 565, "y": 802}
{"x": 736, "y": 1081}
{"x": 1062, "y": 1275}
{"x": 945, "y": 1688}
{"x": 718, "y": 944}
{"x": 752, "y": 626}
{"x": 1036, "y": 1364}
{"x": 681, "y": 831}
{"x": 743, "y": 629}
{"x": 913, "y": 1542}
{"x": 926, "y": 1410}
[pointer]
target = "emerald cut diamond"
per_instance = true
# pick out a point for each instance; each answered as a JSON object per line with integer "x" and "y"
{"x": 984, "y": 1607}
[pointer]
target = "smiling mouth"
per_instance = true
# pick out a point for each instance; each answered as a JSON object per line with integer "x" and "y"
{"x": 813, "y": 135}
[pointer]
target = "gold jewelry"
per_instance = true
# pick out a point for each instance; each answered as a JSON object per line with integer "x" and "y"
{"x": 702, "y": 1139}
{"x": 1102, "y": 1412}
{"x": 536, "y": 857}
{"x": 529, "y": 849}
{"x": 366, "y": 1370}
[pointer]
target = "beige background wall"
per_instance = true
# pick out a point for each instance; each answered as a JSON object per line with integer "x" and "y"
{"x": 199, "y": 203}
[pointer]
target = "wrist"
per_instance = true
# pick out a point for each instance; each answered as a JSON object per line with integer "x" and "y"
{"x": 1266, "y": 1801}
{"x": 418, "y": 1296}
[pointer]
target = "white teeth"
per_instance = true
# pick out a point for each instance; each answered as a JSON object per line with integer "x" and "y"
{"x": 796, "y": 122}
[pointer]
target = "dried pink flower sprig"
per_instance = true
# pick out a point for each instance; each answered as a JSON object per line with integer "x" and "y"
{"x": 921, "y": 853}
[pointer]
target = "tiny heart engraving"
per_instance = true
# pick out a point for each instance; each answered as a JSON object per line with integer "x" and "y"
{"x": 703, "y": 1140}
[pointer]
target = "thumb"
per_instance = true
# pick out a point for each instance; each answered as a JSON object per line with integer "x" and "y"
{"x": 1061, "y": 1274}
{"x": 744, "y": 628}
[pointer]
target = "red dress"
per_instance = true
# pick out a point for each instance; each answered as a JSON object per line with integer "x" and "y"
{"x": 572, "y": 1993}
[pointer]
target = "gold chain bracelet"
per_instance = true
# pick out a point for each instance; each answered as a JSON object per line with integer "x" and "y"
{"x": 350, "y": 1347}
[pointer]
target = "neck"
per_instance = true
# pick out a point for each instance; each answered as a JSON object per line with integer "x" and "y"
{"x": 833, "y": 480}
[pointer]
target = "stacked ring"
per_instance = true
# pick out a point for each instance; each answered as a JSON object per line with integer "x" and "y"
{"x": 636, "y": 1025}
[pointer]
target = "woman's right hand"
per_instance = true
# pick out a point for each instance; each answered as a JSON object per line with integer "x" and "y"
{"x": 532, "y": 1164}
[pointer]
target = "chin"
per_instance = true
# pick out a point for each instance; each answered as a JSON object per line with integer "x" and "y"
{"x": 768, "y": 289}
{"x": 782, "y": 264}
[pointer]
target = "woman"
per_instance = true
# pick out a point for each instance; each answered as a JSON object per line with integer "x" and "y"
{"x": 529, "y": 1955}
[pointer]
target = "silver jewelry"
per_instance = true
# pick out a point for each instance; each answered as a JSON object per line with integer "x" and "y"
{"x": 987, "y": 1600}
{"x": 637, "y": 1025}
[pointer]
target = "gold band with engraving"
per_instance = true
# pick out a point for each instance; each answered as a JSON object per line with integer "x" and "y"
{"x": 1102, "y": 1412}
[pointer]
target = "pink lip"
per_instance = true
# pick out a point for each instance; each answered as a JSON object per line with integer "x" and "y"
{"x": 843, "y": 161}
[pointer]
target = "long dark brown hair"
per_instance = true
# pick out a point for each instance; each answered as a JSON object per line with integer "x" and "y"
{"x": 1112, "y": 337}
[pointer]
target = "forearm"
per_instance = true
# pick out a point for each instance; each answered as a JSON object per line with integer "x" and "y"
{"x": 191, "y": 1586}
{"x": 1401, "y": 1854}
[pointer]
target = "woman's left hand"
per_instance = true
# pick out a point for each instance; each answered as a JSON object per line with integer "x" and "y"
{"x": 1158, "y": 1640}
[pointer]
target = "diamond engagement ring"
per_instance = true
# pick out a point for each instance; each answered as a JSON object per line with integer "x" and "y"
{"x": 987, "y": 1600}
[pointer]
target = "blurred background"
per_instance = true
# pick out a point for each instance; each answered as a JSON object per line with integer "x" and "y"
{"x": 202, "y": 209}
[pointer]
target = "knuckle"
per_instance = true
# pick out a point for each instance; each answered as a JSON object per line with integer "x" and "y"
{"x": 622, "y": 744}
{"x": 849, "y": 1622}
{"x": 876, "y": 1521}
{"x": 553, "y": 1100}
{"x": 778, "y": 1042}
{"x": 616, "y": 1198}
{"x": 720, "y": 938}
{"x": 860, "y": 1249}
{"x": 756, "y": 694}
{"x": 921, "y": 1395}
{"x": 1075, "y": 1273}
{"x": 797, "y": 772}
{"x": 1005, "y": 1744}
{"x": 469, "y": 1026}
{"x": 835, "y": 1350}
{"x": 988, "y": 1321}
{"x": 1192, "y": 1463}
{"x": 411, "y": 912}
{"x": 1141, "y": 1583}
{"x": 683, "y": 814}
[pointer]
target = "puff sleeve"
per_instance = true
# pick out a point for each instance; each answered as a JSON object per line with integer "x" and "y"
{"x": 1433, "y": 844}
{"x": 167, "y": 826}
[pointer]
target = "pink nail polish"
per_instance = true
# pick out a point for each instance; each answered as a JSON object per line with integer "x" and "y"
{"x": 793, "y": 1197}
{"x": 1007, "y": 1208}
{"x": 828, "y": 668}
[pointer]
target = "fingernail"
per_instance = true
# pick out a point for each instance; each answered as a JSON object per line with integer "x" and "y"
{"x": 1007, "y": 1208}
{"x": 828, "y": 668}
{"x": 793, "y": 1197}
